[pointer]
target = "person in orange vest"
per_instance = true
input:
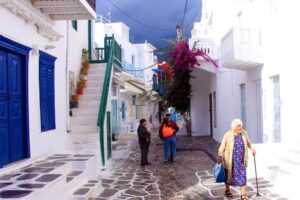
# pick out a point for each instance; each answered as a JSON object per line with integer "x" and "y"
{"x": 167, "y": 132}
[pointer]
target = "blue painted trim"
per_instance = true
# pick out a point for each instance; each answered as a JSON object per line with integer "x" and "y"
{"x": 23, "y": 51}
{"x": 45, "y": 57}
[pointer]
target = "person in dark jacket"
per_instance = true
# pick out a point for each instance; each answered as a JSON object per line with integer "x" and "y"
{"x": 144, "y": 140}
{"x": 170, "y": 141}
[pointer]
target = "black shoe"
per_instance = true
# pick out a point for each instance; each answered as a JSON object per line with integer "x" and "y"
{"x": 143, "y": 164}
{"x": 147, "y": 163}
{"x": 166, "y": 162}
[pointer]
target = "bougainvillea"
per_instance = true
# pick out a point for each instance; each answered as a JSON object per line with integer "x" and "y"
{"x": 181, "y": 57}
{"x": 181, "y": 60}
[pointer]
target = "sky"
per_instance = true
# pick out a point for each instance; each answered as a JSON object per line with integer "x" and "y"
{"x": 152, "y": 20}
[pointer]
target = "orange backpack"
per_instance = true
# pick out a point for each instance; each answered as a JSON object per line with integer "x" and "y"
{"x": 167, "y": 131}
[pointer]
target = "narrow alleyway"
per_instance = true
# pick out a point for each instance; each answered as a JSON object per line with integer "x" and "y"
{"x": 191, "y": 177}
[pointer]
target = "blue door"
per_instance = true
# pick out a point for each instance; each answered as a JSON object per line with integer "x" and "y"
{"x": 13, "y": 140}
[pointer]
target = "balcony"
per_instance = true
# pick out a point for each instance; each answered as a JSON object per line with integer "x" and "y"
{"x": 242, "y": 49}
{"x": 130, "y": 68}
{"x": 67, "y": 9}
{"x": 207, "y": 45}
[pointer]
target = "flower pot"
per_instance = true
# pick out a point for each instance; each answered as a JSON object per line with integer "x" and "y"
{"x": 79, "y": 91}
{"x": 75, "y": 97}
{"x": 85, "y": 65}
{"x": 83, "y": 77}
{"x": 82, "y": 84}
{"x": 84, "y": 71}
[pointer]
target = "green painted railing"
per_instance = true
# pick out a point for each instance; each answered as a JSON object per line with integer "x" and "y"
{"x": 102, "y": 54}
{"x": 112, "y": 54}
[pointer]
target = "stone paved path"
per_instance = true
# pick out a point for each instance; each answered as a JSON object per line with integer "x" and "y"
{"x": 191, "y": 177}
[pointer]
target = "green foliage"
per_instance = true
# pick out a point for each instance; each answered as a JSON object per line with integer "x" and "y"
{"x": 85, "y": 55}
{"x": 178, "y": 95}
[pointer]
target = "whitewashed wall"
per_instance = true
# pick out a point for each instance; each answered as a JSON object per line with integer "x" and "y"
{"x": 26, "y": 34}
{"x": 77, "y": 40}
{"x": 121, "y": 34}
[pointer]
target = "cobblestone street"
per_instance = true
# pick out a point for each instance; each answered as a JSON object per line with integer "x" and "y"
{"x": 191, "y": 177}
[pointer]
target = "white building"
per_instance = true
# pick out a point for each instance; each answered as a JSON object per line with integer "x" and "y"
{"x": 255, "y": 81}
{"x": 132, "y": 84}
{"x": 33, "y": 42}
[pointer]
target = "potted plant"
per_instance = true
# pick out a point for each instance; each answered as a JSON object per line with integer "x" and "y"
{"x": 75, "y": 97}
{"x": 82, "y": 83}
{"x": 85, "y": 58}
{"x": 80, "y": 90}
{"x": 84, "y": 71}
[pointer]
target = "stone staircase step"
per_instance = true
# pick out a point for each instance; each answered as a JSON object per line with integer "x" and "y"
{"x": 96, "y": 70}
{"x": 84, "y": 120}
{"x": 91, "y": 104}
{"x": 88, "y": 190}
{"x": 93, "y": 97}
{"x": 92, "y": 91}
{"x": 85, "y": 112}
{"x": 95, "y": 77}
{"x": 84, "y": 129}
{"x": 97, "y": 83}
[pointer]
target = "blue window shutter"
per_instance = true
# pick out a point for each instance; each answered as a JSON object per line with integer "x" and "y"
{"x": 47, "y": 91}
{"x": 43, "y": 95}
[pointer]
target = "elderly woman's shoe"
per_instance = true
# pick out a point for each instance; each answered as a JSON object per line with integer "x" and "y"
{"x": 228, "y": 193}
{"x": 244, "y": 197}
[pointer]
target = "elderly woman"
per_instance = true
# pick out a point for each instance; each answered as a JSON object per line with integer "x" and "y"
{"x": 233, "y": 151}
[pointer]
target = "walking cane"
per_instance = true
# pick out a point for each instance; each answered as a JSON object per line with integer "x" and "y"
{"x": 257, "y": 193}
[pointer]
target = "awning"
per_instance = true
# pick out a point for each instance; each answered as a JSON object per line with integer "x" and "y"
{"x": 117, "y": 80}
{"x": 129, "y": 88}
{"x": 158, "y": 70}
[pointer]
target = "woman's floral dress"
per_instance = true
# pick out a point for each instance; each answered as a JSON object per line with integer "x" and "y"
{"x": 238, "y": 166}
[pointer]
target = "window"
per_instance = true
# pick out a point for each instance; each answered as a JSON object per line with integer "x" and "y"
{"x": 74, "y": 24}
{"x": 123, "y": 110}
{"x": 47, "y": 92}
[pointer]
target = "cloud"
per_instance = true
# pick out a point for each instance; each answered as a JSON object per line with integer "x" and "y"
{"x": 159, "y": 14}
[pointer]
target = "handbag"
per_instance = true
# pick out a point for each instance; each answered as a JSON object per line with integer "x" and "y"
{"x": 219, "y": 172}
{"x": 167, "y": 131}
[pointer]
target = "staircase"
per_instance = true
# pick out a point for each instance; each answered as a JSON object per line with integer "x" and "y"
{"x": 84, "y": 119}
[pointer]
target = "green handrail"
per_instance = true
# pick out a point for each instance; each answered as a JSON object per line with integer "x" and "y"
{"x": 109, "y": 45}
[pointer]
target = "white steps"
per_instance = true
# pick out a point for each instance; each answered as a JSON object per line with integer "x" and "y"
{"x": 85, "y": 112}
{"x": 84, "y": 129}
{"x": 84, "y": 118}
{"x": 87, "y": 97}
{"x": 98, "y": 83}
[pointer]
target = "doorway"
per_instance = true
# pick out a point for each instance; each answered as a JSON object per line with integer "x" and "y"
{"x": 14, "y": 139}
{"x": 276, "y": 109}
{"x": 211, "y": 128}
{"x": 258, "y": 111}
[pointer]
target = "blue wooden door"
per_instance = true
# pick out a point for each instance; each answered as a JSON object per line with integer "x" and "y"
{"x": 13, "y": 133}
{"x": 4, "y": 119}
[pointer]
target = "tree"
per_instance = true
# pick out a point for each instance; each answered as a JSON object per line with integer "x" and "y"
{"x": 182, "y": 59}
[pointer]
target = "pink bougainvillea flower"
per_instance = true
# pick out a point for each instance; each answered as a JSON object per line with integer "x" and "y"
{"x": 183, "y": 58}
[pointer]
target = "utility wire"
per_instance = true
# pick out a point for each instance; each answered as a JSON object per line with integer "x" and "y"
{"x": 185, "y": 7}
{"x": 139, "y": 22}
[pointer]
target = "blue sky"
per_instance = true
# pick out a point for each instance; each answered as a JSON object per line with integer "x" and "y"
{"x": 152, "y": 20}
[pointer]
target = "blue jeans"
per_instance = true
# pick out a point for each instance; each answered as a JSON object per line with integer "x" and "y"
{"x": 170, "y": 142}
